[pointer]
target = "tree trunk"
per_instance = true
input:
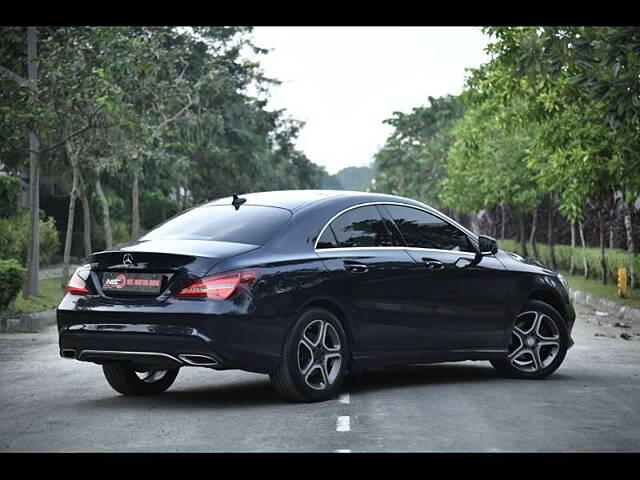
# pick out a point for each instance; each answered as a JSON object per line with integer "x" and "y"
{"x": 611, "y": 235}
{"x": 532, "y": 236}
{"x": 572, "y": 266}
{"x": 523, "y": 239}
{"x": 106, "y": 217}
{"x": 135, "y": 208}
{"x": 585, "y": 265}
{"x": 628, "y": 226}
{"x": 603, "y": 263}
{"x": 502, "y": 210}
{"x": 33, "y": 255}
{"x": 631, "y": 246}
{"x": 552, "y": 253}
{"x": 86, "y": 216}
{"x": 69, "y": 234}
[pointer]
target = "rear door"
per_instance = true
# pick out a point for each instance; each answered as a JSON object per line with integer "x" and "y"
{"x": 462, "y": 305}
{"x": 372, "y": 273}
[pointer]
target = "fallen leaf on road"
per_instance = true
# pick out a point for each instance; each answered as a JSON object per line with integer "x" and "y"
{"x": 621, "y": 325}
{"x": 604, "y": 335}
{"x": 626, "y": 336}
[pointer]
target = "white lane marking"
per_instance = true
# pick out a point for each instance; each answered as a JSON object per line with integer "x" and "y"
{"x": 343, "y": 424}
{"x": 344, "y": 450}
{"x": 344, "y": 398}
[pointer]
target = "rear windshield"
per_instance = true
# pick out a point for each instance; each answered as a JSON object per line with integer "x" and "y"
{"x": 249, "y": 224}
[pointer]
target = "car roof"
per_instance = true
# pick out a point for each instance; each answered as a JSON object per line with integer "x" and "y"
{"x": 295, "y": 199}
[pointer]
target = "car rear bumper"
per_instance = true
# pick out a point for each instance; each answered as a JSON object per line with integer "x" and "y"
{"x": 168, "y": 337}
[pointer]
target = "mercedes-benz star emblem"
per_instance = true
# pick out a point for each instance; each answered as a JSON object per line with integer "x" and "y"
{"x": 127, "y": 260}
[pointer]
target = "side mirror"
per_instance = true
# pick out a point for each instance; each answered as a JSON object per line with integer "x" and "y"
{"x": 487, "y": 245}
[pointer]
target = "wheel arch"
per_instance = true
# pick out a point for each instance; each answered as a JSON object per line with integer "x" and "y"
{"x": 340, "y": 313}
{"x": 551, "y": 298}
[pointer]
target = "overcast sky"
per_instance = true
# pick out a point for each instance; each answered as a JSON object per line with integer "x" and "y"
{"x": 344, "y": 81}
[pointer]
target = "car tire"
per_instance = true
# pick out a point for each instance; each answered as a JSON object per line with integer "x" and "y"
{"x": 315, "y": 356}
{"x": 539, "y": 343}
{"x": 127, "y": 381}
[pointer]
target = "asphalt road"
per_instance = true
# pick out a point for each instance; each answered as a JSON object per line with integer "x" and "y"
{"x": 48, "y": 404}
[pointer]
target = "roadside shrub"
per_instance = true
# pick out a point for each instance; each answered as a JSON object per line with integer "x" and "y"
{"x": 9, "y": 191}
{"x": 49, "y": 241}
{"x": 121, "y": 232}
{"x": 14, "y": 238}
{"x": 155, "y": 208}
{"x": 11, "y": 277}
{"x": 614, "y": 258}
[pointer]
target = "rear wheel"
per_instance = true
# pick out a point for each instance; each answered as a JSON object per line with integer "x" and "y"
{"x": 314, "y": 358}
{"x": 131, "y": 381}
{"x": 539, "y": 342}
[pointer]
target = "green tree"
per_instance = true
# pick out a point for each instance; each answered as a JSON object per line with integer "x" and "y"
{"x": 413, "y": 160}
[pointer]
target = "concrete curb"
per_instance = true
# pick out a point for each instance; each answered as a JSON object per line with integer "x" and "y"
{"x": 610, "y": 306}
{"x": 21, "y": 322}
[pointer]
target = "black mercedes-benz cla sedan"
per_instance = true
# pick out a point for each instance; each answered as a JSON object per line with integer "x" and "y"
{"x": 306, "y": 286}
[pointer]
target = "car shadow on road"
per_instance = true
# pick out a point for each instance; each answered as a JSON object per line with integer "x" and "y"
{"x": 258, "y": 392}
{"x": 431, "y": 374}
{"x": 242, "y": 393}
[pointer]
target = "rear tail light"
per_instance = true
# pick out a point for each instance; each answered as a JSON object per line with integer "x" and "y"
{"x": 77, "y": 285}
{"x": 220, "y": 286}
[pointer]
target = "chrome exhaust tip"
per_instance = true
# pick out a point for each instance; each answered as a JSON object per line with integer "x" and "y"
{"x": 68, "y": 353}
{"x": 197, "y": 360}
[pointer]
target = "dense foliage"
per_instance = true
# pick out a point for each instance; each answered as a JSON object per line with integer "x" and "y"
{"x": 9, "y": 192}
{"x": 137, "y": 123}
{"x": 550, "y": 124}
{"x": 14, "y": 233}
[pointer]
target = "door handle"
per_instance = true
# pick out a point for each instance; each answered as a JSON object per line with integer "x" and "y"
{"x": 432, "y": 264}
{"x": 355, "y": 267}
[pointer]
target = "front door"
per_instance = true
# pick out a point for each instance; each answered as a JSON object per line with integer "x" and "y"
{"x": 463, "y": 305}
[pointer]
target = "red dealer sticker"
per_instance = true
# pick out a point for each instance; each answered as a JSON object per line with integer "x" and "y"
{"x": 119, "y": 282}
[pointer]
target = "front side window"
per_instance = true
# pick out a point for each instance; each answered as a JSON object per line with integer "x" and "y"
{"x": 361, "y": 227}
{"x": 249, "y": 224}
{"x": 423, "y": 230}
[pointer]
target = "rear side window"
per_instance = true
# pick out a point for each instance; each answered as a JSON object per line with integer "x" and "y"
{"x": 361, "y": 227}
{"x": 327, "y": 239}
{"x": 249, "y": 224}
{"x": 423, "y": 230}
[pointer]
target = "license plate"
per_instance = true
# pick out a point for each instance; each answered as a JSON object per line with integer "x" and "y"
{"x": 125, "y": 282}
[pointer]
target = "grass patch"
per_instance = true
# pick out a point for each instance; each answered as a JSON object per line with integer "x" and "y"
{"x": 609, "y": 291}
{"x": 50, "y": 295}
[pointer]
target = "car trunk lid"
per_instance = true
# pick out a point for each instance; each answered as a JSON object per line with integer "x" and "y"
{"x": 152, "y": 268}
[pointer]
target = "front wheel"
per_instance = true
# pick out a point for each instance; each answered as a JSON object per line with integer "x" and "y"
{"x": 539, "y": 343}
{"x": 314, "y": 358}
{"x": 130, "y": 381}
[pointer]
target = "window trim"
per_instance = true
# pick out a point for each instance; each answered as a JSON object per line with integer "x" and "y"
{"x": 328, "y": 224}
{"x": 467, "y": 232}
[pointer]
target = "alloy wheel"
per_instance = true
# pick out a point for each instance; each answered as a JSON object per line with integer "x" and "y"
{"x": 535, "y": 342}
{"x": 319, "y": 354}
{"x": 151, "y": 376}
